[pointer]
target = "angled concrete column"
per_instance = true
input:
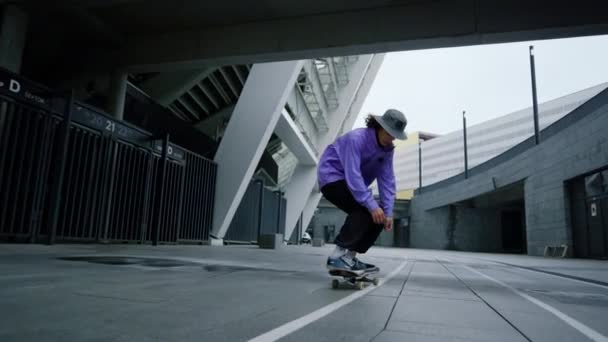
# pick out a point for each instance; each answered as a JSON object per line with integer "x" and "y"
{"x": 249, "y": 129}
{"x": 351, "y": 98}
{"x": 117, "y": 93}
{"x": 13, "y": 32}
{"x": 359, "y": 97}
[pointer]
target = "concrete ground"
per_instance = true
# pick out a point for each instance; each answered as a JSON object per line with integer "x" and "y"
{"x": 239, "y": 293}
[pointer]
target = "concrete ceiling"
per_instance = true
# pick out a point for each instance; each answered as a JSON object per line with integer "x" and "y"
{"x": 160, "y": 35}
{"x": 159, "y": 16}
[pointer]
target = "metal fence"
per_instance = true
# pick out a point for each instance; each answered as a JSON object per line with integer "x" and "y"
{"x": 69, "y": 172}
{"x": 260, "y": 212}
{"x": 199, "y": 187}
{"x": 26, "y": 142}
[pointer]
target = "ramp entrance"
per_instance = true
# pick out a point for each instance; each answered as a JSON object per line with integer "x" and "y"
{"x": 493, "y": 222}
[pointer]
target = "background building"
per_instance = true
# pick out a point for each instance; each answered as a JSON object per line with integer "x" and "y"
{"x": 443, "y": 156}
{"x": 535, "y": 198}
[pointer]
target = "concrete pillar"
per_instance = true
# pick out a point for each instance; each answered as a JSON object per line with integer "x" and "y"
{"x": 249, "y": 129}
{"x": 351, "y": 97}
{"x": 297, "y": 193}
{"x": 117, "y": 93}
{"x": 13, "y": 32}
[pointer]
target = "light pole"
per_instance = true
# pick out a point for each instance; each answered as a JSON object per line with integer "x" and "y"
{"x": 534, "y": 98}
{"x": 466, "y": 156}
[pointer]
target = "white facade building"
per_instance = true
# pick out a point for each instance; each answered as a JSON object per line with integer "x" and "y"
{"x": 443, "y": 157}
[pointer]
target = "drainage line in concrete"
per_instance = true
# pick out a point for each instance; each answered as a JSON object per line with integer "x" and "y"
{"x": 395, "y": 303}
{"x": 483, "y": 300}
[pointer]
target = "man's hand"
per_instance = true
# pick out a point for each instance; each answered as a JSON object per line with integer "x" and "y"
{"x": 378, "y": 216}
{"x": 388, "y": 224}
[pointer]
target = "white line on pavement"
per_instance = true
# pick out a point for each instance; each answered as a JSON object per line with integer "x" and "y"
{"x": 303, "y": 321}
{"x": 589, "y": 283}
{"x": 582, "y": 328}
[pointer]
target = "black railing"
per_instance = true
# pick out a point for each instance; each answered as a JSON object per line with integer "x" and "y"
{"x": 199, "y": 187}
{"x": 26, "y": 144}
{"x": 98, "y": 180}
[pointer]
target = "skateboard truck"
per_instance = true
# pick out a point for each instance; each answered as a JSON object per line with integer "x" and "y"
{"x": 354, "y": 279}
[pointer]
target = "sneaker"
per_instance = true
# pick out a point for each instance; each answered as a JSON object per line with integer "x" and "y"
{"x": 339, "y": 264}
{"x": 365, "y": 266}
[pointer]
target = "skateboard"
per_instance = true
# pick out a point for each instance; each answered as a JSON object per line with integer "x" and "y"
{"x": 353, "y": 279}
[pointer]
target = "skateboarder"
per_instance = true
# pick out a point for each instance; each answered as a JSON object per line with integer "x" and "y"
{"x": 346, "y": 170}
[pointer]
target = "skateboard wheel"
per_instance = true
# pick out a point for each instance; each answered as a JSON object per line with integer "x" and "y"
{"x": 375, "y": 281}
{"x": 360, "y": 285}
{"x": 335, "y": 283}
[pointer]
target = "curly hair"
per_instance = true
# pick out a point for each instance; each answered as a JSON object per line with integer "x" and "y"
{"x": 371, "y": 122}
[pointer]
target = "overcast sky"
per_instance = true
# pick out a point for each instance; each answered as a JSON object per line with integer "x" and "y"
{"x": 433, "y": 87}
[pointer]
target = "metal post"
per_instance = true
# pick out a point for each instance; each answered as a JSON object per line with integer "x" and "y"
{"x": 181, "y": 201}
{"x": 300, "y": 229}
{"x": 466, "y": 157}
{"x": 534, "y": 97}
{"x": 160, "y": 191}
{"x": 117, "y": 95}
{"x": 61, "y": 153}
{"x": 278, "y": 230}
{"x": 260, "y": 207}
{"x": 146, "y": 225}
{"x": 419, "y": 165}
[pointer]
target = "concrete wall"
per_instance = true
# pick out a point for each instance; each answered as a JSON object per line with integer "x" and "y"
{"x": 333, "y": 216}
{"x": 386, "y": 239}
{"x": 429, "y": 228}
{"x": 574, "y": 145}
{"x": 326, "y": 217}
{"x": 457, "y": 228}
{"x": 477, "y": 230}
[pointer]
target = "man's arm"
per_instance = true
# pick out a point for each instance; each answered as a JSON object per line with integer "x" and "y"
{"x": 386, "y": 186}
{"x": 349, "y": 154}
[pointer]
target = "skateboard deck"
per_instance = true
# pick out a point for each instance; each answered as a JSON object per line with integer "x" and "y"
{"x": 353, "y": 279}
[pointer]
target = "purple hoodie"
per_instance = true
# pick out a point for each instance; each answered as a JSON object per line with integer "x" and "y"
{"x": 358, "y": 158}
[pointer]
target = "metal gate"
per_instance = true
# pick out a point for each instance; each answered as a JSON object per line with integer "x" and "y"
{"x": 261, "y": 211}
{"x": 199, "y": 187}
{"x": 166, "y": 205}
{"x": 81, "y": 215}
{"x": 245, "y": 224}
{"x": 26, "y": 143}
{"x": 69, "y": 172}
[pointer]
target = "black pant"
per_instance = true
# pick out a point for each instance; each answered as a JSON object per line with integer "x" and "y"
{"x": 359, "y": 231}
